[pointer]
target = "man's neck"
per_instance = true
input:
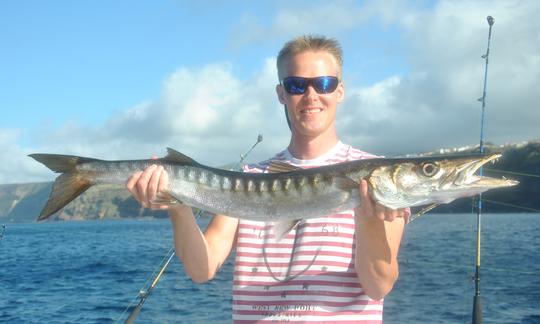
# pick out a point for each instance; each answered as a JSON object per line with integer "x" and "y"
{"x": 307, "y": 148}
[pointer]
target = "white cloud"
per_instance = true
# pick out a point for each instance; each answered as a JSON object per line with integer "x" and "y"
{"x": 207, "y": 113}
{"x": 435, "y": 104}
{"x": 320, "y": 17}
{"x": 213, "y": 115}
{"x": 15, "y": 166}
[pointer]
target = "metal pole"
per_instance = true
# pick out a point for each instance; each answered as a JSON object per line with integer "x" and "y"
{"x": 477, "y": 303}
{"x": 143, "y": 294}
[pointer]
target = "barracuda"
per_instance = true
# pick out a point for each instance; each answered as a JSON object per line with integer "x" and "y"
{"x": 286, "y": 193}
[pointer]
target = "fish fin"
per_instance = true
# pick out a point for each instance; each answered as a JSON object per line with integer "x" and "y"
{"x": 175, "y": 156}
{"x": 282, "y": 228}
{"x": 67, "y": 186}
{"x": 165, "y": 198}
{"x": 60, "y": 163}
{"x": 345, "y": 183}
{"x": 277, "y": 166}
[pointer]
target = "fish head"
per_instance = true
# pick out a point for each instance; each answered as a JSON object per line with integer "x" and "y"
{"x": 421, "y": 181}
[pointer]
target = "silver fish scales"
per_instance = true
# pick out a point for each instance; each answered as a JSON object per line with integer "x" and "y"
{"x": 285, "y": 193}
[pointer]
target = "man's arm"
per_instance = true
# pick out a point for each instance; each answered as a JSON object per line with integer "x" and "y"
{"x": 201, "y": 253}
{"x": 378, "y": 236}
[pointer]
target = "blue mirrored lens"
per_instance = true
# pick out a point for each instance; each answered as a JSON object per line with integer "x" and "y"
{"x": 325, "y": 84}
{"x": 295, "y": 85}
{"x": 322, "y": 84}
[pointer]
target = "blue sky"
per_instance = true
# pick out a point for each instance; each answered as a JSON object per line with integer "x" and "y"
{"x": 124, "y": 79}
{"x": 88, "y": 59}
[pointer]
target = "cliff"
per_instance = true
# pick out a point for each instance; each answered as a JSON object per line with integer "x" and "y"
{"x": 23, "y": 203}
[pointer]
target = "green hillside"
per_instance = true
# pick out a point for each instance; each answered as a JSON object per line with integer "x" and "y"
{"x": 23, "y": 203}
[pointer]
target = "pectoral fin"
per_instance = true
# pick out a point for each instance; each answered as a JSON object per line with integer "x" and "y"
{"x": 165, "y": 198}
{"x": 346, "y": 184}
{"x": 283, "y": 228}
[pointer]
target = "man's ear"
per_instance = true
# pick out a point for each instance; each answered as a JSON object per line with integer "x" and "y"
{"x": 280, "y": 93}
{"x": 340, "y": 92}
{"x": 287, "y": 116}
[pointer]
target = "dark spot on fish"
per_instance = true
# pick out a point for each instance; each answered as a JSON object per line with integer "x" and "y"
{"x": 261, "y": 186}
{"x": 286, "y": 184}
{"x": 250, "y": 186}
{"x": 238, "y": 185}
{"x": 300, "y": 182}
{"x": 275, "y": 185}
{"x": 314, "y": 181}
{"x": 225, "y": 183}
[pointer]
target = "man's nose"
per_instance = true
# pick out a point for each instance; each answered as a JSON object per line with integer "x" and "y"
{"x": 310, "y": 91}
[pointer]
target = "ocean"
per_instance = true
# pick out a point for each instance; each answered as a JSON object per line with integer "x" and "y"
{"x": 89, "y": 272}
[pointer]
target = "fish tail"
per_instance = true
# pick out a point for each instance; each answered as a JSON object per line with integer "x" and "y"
{"x": 67, "y": 186}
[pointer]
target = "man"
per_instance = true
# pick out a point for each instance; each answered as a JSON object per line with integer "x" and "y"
{"x": 335, "y": 268}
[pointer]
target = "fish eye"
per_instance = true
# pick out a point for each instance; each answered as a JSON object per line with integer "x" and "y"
{"x": 430, "y": 169}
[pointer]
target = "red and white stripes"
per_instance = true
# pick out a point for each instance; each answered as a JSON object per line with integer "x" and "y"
{"x": 308, "y": 275}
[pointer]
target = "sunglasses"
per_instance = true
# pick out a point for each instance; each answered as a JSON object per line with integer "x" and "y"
{"x": 298, "y": 85}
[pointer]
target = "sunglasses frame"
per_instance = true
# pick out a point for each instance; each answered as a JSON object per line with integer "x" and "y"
{"x": 314, "y": 82}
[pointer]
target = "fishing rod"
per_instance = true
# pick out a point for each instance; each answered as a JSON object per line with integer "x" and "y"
{"x": 477, "y": 302}
{"x": 243, "y": 156}
{"x": 145, "y": 293}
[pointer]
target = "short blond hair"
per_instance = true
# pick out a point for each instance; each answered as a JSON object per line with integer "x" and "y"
{"x": 306, "y": 43}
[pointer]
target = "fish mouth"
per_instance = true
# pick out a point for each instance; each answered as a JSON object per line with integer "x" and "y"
{"x": 466, "y": 178}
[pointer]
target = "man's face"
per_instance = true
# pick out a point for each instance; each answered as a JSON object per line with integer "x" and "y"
{"x": 312, "y": 114}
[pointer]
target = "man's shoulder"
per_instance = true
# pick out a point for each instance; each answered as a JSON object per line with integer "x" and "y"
{"x": 263, "y": 165}
{"x": 341, "y": 153}
{"x": 357, "y": 154}
{"x": 349, "y": 153}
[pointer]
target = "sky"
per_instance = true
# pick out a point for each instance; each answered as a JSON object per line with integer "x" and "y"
{"x": 127, "y": 79}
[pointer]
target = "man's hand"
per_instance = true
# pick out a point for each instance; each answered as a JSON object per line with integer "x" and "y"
{"x": 145, "y": 185}
{"x": 369, "y": 208}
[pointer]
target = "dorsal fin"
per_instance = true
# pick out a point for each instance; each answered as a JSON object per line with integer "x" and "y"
{"x": 277, "y": 166}
{"x": 175, "y": 156}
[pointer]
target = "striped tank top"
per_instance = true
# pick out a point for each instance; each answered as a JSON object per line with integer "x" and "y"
{"x": 307, "y": 276}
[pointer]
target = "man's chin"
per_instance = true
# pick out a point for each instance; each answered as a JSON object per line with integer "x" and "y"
{"x": 310, "y": 129}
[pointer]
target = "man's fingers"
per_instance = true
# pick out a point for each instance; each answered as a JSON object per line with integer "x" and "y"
{"x": 368, "y": 207}
{"x": 142, "y": 185}
{"x": 163, "y": 181}
{"x": 406, "y": 214}
{"x": 391, "y": 214}
{"x": 131, "y": 184}
{"x": 364, "y": 188}
{"x": 366, "y": 204}
{"x": 162, "y": 184}
{"x": 380, "y": 211}
{"x": 153, "y": 184}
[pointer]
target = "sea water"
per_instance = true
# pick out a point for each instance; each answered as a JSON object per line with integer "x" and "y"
{"x": 90, "y": 272}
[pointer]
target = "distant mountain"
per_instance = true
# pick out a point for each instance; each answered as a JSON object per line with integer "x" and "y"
{"x": 23, "y": 202}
